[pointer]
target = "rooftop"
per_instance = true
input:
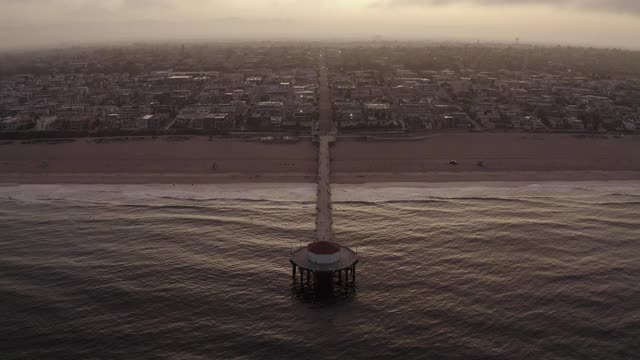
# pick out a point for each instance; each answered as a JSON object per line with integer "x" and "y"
{"x": 323, "y": 248}
{"x": 346, "y": 259}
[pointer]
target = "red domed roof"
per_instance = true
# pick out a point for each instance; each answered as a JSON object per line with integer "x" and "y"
{"x": 323, "y": 248}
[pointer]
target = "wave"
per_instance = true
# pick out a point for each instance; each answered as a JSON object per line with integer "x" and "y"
{"x": 342, "y": 194}
{"x": 369, "y": 203}
{"x": 223, "y": 266}
{"x": 617, "y": 203}
{"x": 484, "y": 191}
{"x": 611, "y": 223}
{"x": 442, "y": 200}
{"x": 167, "y": 207}
{"x": 245, "y": 200}
{"x": 619, "y": 194}
{"x": 99, "y": 193}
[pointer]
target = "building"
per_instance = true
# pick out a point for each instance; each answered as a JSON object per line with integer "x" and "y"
{"x": 303, "y": 116}
{"x": 267, "y": 114}
{"x": 153, "y": 121}
{"x": 378, "y": 114}
{"x": 417, "y": 115}
{"x": 16, "y": 123}
{"x": 349, "y": 114}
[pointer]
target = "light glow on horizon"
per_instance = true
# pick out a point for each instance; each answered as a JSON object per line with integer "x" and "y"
{"x": 614, "y": 23}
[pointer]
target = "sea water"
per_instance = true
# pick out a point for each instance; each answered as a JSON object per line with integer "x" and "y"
{"x": 448, "y": 271}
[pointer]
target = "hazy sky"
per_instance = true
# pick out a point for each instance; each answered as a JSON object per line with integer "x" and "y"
{"x": 614, "y": 23}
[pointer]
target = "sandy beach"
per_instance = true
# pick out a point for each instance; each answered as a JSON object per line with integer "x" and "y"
{"x": 506, "y": 157}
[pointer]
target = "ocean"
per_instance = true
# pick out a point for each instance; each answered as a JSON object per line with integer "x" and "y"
{"x": 447, "y": 271}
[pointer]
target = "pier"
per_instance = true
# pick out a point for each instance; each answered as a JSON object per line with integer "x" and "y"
{"x": 324, "y": 210}
{"x": 326, "y": 136}
{"x": 323, "y": 263}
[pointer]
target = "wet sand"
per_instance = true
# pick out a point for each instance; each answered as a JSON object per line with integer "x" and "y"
{"x": 506, "y": 157}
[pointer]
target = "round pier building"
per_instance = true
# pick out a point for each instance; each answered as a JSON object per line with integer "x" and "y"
{"x": 322, "y": 265}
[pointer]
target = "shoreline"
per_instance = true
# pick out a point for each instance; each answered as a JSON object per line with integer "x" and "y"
{"x": 340, "y": 178}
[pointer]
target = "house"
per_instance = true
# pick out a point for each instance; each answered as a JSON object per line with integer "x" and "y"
{"x": 152, "y": 121}
{"x": 378, "y": 114}
{"x": 302, "y": 115}
{"x": 267, "y": 114}
{"x": 205, "y": 121}
{"x": 349, "y": 114}
{"x": 417, "y": 115}
{"x": 461, "y": 120}
{"x": 575, "y": 123}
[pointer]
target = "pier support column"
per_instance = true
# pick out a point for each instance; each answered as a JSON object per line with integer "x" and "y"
{"x": 353, "y": 273}
{"x": 323, "y": 282}
{"x": 301, "y": 277}
{"x": 308, "y": 276}
{"x": 339, "y": 272}
{"x": 293, "y": 271}
{"x": 346, "y": 277}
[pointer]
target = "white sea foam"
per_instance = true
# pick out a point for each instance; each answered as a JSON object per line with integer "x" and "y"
{"x": 374, "y": 192}
{"x": 43, "y": 193}
{"x": 423, "y": 191}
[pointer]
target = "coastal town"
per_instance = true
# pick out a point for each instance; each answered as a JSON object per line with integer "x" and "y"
{"x": 333, "y": 179}
{"x": 218, "y": 89}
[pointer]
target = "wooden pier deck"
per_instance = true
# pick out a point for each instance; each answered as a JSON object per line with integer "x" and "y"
{"x": 324, "y": 211}
{"x": 326, "y": 136}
